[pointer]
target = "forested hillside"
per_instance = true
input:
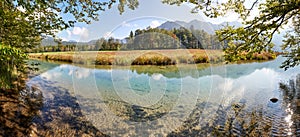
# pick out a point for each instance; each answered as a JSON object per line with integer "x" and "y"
{"x": 141, "y": 39}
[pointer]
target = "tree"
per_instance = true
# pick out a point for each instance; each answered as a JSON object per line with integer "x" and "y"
{"x": 23, "y": 24}
{"x": 131, "y": 35}
{"x": 257, "y": 33}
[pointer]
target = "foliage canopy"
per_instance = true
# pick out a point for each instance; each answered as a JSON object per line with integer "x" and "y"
{"x": 258, "y": 31}
{"x": 23, "y": 23}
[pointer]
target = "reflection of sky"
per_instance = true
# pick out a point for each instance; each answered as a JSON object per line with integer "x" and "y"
{"x": 157, "y": 76}
{"x": 82, "y": 73}
{"x": 56, "y": 72}
{"x": 67, "y": 70}
{"x": 258, "y": 80}
{"x": 254, "y": 82}
{"x": 257, "y": 86}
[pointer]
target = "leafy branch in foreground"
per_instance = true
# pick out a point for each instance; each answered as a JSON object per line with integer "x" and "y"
{"x": 23, "y": 23}
{"x": 258, "y": 31}
{"x": 37, "y": 18}
{"x": 292, "y": 43}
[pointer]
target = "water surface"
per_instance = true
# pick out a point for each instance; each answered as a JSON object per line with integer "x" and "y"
{"x": 183, "y": 100}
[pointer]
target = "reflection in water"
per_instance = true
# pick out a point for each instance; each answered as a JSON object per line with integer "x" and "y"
{"x": 291, "y": 102}
{"x": 275, "y": 119}
{"x": 168, "y": 101}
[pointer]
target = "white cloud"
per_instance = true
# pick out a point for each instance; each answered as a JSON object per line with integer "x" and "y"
{"x": 79, "y": 30}
{"x": 154, "y": 24}
{"x": 76, "y": 33}
{"x": 64, "y": 39}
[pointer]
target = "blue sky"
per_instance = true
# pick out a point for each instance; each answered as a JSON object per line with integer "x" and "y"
{"x": 149, "y": 13}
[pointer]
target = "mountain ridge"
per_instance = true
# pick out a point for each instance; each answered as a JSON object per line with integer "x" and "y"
{"x": 197, "y": 24}
{"x": 169, "y": 25}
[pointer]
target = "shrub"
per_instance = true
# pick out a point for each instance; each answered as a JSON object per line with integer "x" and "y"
{"x": 12, "y": 66}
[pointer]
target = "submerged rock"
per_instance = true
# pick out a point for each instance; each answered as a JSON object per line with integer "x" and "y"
{"x": 274, "y": 100}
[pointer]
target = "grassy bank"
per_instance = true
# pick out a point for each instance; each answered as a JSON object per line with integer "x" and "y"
{"x": 257, "y": 56}
{"x": 136, "y": 57}
{"x": 144, "y": 57}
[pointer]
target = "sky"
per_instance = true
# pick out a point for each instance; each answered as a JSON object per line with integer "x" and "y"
{"x": 149, "y": 13}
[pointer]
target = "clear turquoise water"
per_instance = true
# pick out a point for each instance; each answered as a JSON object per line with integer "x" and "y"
{"x": 176, "y": 100}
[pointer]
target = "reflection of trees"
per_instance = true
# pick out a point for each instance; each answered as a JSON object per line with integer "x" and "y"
{"x": 276, "y": 119}
{"x": 172, "y": 71}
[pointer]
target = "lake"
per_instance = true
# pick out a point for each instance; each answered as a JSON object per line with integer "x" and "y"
{"x": 182, "y": 100}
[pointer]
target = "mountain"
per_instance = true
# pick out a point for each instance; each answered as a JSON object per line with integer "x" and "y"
{"x": 211, "y": 28}
{"x": 169, "y": 25}
{"x": 50, "y": 41}
{"x": 278, "y": 40}
{"x": 200, "y": 25}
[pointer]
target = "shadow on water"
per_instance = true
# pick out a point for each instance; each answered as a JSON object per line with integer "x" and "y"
{"x": 42, "y": 110}
{"x": 17, "y": 110}
{"x": 61, "y": 115}
{"x": 280, "y": 118}
{"x": 29, "y": 114}
{"x": 134, "y": 113}
{"x": 138, "y": 114}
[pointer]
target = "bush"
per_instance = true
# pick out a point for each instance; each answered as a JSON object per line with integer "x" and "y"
{"x": 12, "y": 66}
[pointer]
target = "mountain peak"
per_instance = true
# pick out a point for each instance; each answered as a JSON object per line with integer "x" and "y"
{"x": 197, "y": 24}
{"x": 195, "y": 20}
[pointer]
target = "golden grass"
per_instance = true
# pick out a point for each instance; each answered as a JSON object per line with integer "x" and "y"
{"x": 135, "y": 57}
{"x": 257, "y": 56}
{"x": 147, "y": 57}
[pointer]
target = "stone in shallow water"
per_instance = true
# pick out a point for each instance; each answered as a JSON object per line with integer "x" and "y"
{"x": 274, "y": 100}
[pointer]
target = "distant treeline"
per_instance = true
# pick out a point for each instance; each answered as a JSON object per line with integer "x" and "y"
{"x": 155, "y": 38}
{"x": 149, "y": 38}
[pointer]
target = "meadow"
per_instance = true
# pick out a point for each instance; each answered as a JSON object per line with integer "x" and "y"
{"x": 141, "y": 57}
